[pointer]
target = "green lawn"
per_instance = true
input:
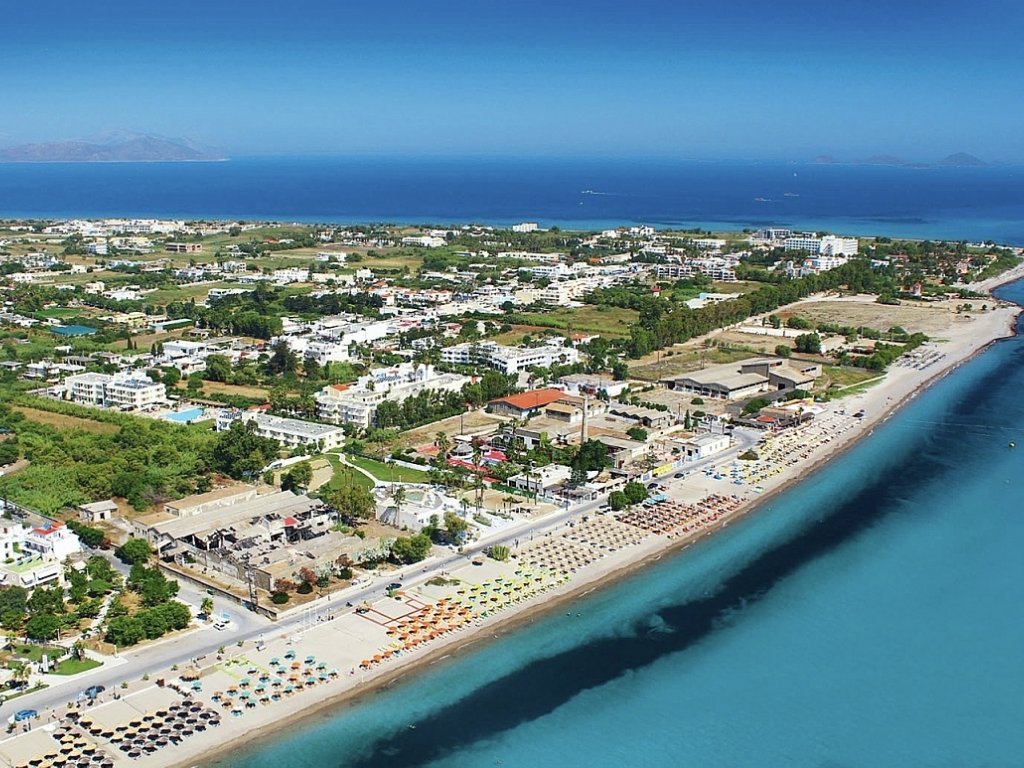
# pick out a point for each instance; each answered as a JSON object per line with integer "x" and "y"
{"x": 856, "y": 389}
{"x": 845, "y": 376}
{"x": 34, "y": 652}
{"x": 607, "y": 321}
{"x": 74, "y": 666}
{"x": 387, "y": 472}
{"x": 345, "y": 475}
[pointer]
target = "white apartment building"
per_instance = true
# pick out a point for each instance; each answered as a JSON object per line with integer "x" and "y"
{"x": 290, "y": 433}
{"x": 508, "y": 359}
{"x": 721, "y": 269}
{"x": 838, "y": 246}
{"x": 126, "y": 392}
{"x": 424, "y": 241}
{"x": 526, "y": 226}
{"x": 828, "y": 245}
{"x": 87, "y": 388}
{"x": 357, "y": 403}
{"x": 135, "y": 393}
{"x": 54, "y": 541}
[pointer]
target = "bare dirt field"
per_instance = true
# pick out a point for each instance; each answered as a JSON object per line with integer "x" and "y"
{"x": 472, "y": 422}
{"x": 933, "y": 319}
{"x": 221, "y": 388}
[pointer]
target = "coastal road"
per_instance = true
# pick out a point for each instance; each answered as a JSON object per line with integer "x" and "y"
{"x": 156, "y": 658}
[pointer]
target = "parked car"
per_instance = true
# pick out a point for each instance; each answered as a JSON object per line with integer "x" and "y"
{"x": 394, "y": 586}
{"x": 23, "y": 714}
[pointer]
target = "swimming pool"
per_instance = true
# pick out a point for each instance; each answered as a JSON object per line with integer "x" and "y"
{"x": 184, "y": 417}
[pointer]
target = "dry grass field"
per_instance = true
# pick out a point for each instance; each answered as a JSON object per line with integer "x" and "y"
{"x": 60, "y": 421}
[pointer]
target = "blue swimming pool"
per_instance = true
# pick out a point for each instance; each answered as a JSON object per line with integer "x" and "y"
{"x": 184, "y": 417}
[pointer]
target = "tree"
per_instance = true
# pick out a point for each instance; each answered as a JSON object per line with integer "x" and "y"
{"x": 809, "y": 343}
{"x": 46, "y": 600}
{"x": 754, "y": 405}
{"x": 171, "y": 377}
{"x": 592, "y": 456}
{"x": 620, "y": 370}
{"x": 637, "y": 433}
{"x": 455, "y": 526}
{"x": 617, "y": 500}
{"x": 42, "y": 626}
{"x": 240, "y": 452}
{"x": 133, "y": 551}
{"x": 206, "y": 607}
{"x": 350, "y": 502}
{"x": 298, "y": 477}
{"x": 410, "y": 549}
{"x": 218, "y": 368}
{"x": 283, "y": 360}
{"x": 782, "y": 350}
{"x": 635, "y": 492}
{"x": 124, "y": 631}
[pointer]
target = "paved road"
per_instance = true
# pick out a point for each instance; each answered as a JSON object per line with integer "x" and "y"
{"x": 158, "y": 657}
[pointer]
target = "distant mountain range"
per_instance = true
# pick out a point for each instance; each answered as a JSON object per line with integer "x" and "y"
{"x": 957, "y": 160}
{"x": 112, "y": 148}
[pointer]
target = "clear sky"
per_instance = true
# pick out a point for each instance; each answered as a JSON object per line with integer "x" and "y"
{"x": 681, "y": 78}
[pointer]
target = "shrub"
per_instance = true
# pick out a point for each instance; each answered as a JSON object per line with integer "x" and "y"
{"x": 279, "y": 598}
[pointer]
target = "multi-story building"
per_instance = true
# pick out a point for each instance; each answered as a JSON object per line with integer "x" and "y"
{"x": 289, "y": 432}
{"x": 136, "y": 393}
{"x": 87, "y": 388}
{"x": 52, "y": 541}
{"x": 357, "y": 404}
{"x": 127, "y": 392}
{"x": 508, "y": 359}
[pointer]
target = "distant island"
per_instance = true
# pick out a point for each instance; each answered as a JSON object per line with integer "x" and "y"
{"x": 134, "y": 148}
{"x": 956, "y": 160}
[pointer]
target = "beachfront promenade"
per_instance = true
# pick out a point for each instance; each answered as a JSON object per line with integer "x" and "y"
{"x": 341, "y": 653}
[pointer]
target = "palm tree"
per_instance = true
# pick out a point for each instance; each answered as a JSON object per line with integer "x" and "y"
{"x": 398, "y": 496}
{"x": 443, "y": 446}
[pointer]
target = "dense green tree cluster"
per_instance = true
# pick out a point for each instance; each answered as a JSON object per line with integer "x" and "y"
{"x": 144, "y": 461}
{"x": 240, "y": 452}
{"x": 134, "y": 551}
{"x": 152, "y": 586}
{"x": 410, "y": 549}
{"x": 147, "y": 624}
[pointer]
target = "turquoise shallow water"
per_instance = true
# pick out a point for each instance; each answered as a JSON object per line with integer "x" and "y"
{"x": 872, "y": 616}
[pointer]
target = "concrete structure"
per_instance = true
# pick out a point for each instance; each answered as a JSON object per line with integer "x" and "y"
{"x": 290, "y": 433}
{"x": 206, "y": 502}
{"x": 508, "y": 359}
{"x": 526, "y": 404}
{"x": 702, "y": 446}
{"x": 541, "y": 479}
{"x": 746, "y": 378}
{"x": 54, "y": 541}
{"x": 183, "y": 247}
{"x": 97, "y": 512}
{"x": 126, "y": 392}
{"x": 357, "y": 403}
{"x": 272, "y": 537}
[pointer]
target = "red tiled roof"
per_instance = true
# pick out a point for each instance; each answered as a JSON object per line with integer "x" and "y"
{"x": 290, "y": 521}
{"x": 538, "y": 398}
{"x": 50, "y": 528}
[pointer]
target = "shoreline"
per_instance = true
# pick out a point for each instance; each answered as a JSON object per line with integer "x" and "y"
{"x": 500, "y": 625}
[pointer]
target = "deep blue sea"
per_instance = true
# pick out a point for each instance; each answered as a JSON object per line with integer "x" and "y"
{"x": 951, "y": 203}
{"x": 873, "y": 616}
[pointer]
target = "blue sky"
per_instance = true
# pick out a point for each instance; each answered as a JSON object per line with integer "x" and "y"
{"x": 782, "y": 79}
